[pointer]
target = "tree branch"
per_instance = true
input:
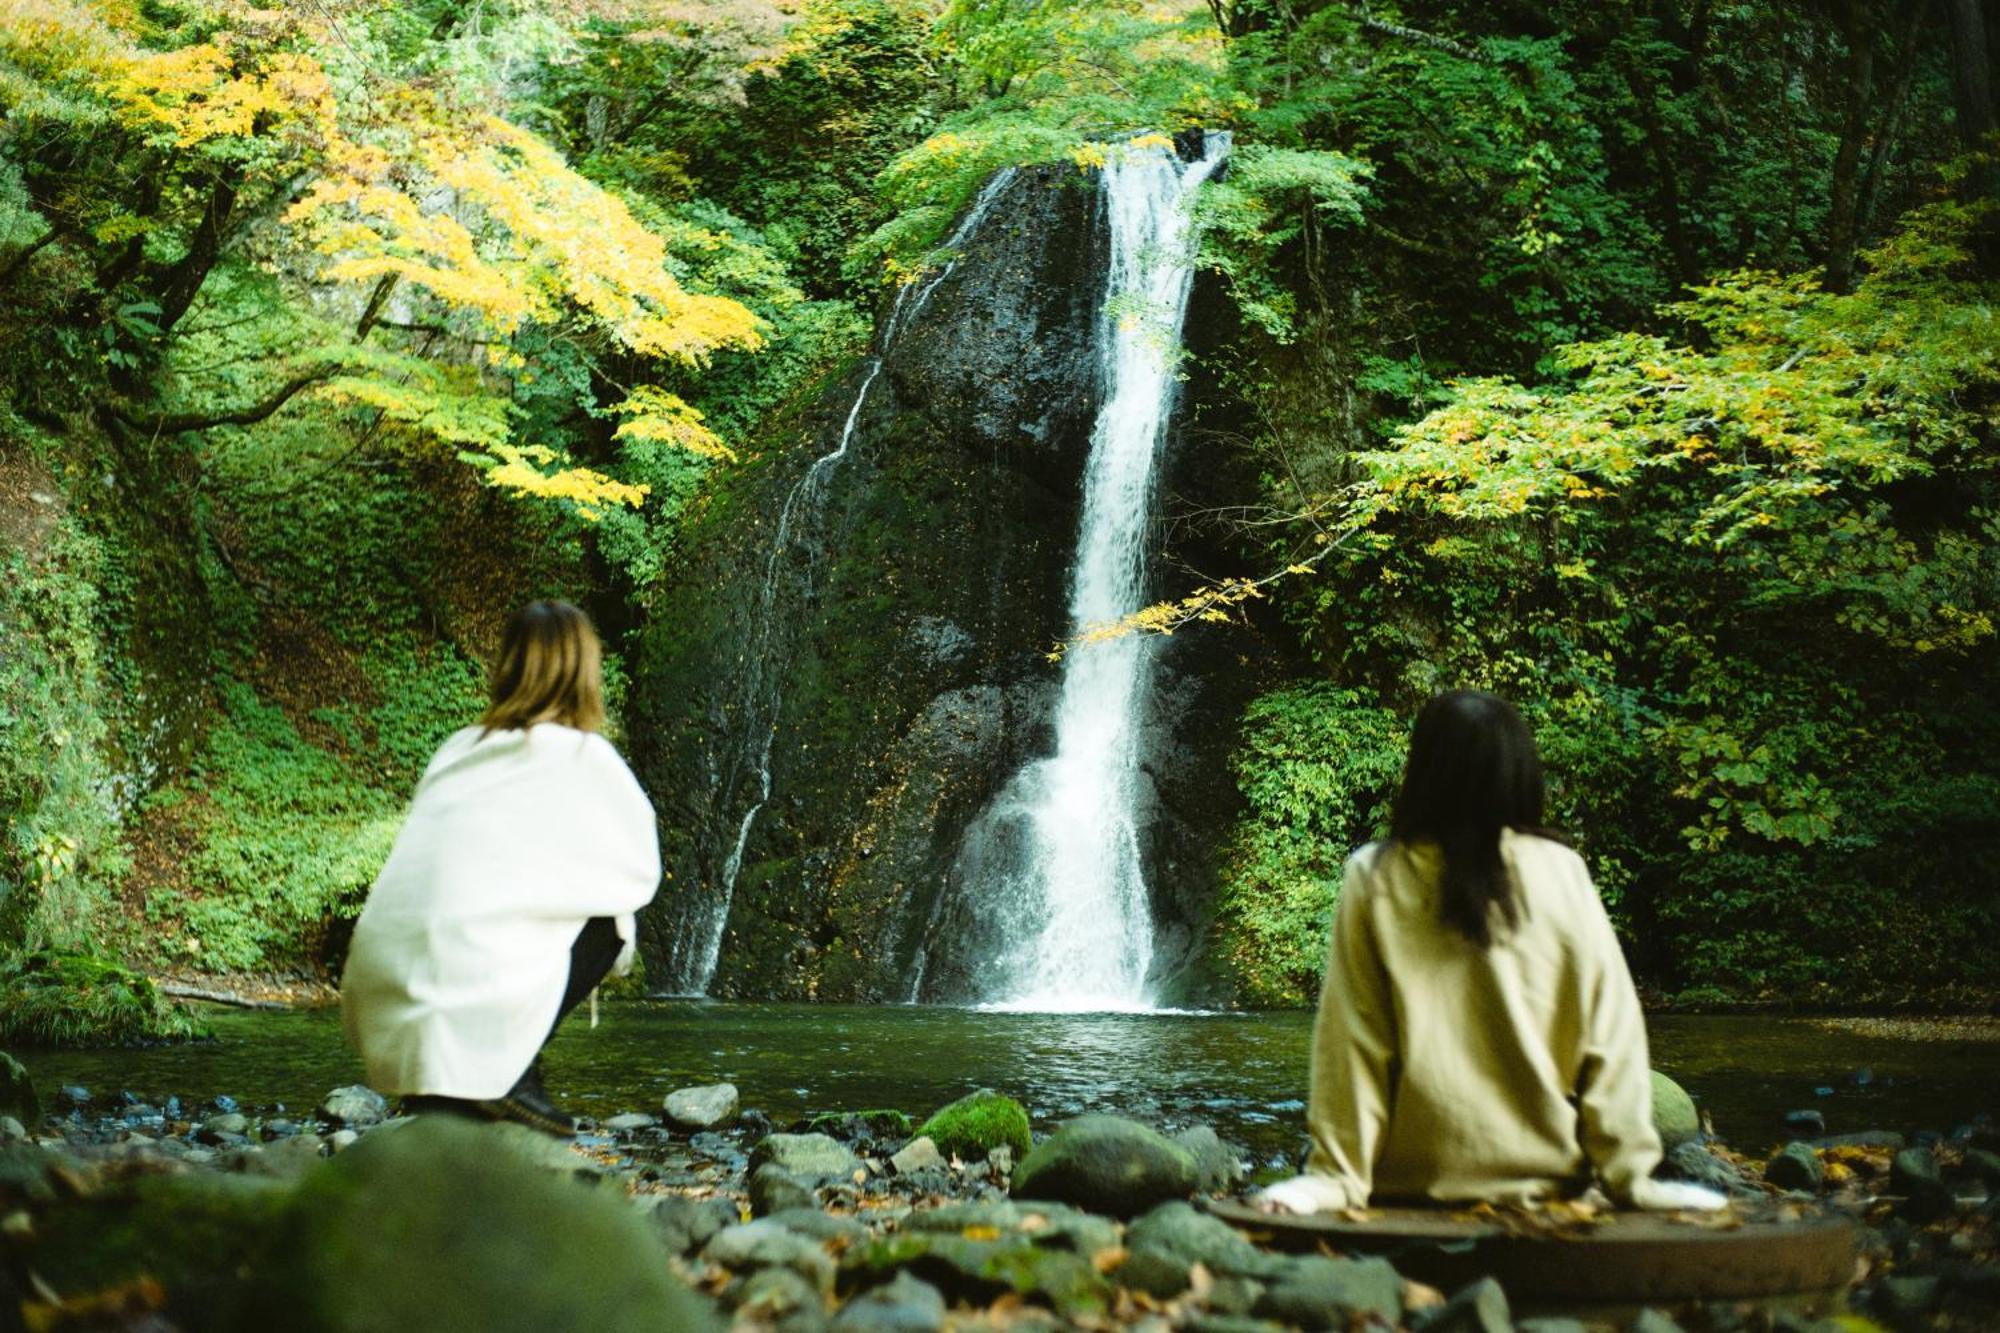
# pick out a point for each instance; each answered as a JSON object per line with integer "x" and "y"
{"x": 177, "y": 423}
{"x": 1422, "y": 38}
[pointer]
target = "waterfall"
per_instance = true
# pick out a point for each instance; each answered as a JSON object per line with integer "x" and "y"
{"x": 692, "y": 961}
{"x": 1053, "y": 868}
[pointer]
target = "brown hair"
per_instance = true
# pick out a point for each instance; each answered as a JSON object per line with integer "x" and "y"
{"x": 550, "y": 669}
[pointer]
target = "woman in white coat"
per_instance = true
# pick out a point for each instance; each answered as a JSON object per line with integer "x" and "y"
{"x": 511, "y": 888}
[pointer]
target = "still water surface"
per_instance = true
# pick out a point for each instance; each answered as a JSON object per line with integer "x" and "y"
{"x": 1242, "y": 1073}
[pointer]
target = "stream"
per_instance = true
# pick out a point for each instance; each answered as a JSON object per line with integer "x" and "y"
{"x": 1243, "y": 1073}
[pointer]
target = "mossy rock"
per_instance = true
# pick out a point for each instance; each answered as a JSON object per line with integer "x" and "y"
{"x": 1674, "y": 1114}
{"x": 977, "y": 1123}
{"x": 847, "y": 1126}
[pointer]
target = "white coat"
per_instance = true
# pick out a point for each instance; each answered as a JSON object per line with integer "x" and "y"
{"x": 461, "y": 954}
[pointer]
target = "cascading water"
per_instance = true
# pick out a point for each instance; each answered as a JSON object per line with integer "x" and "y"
{"x": 692, "y": 962}
{"x": 1053, "y": 868}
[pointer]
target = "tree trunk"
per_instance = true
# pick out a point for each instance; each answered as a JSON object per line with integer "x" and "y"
{"x": 1975, "y": 37}
{"x": 1840, "y": 225}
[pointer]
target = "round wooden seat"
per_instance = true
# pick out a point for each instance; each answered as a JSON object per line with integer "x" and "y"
{"x": 1609, "y": 1259}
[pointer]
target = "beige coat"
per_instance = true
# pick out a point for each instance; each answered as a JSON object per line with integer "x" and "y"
{"x": 461, "y": 954}
{"x": 1444, "y": 1071}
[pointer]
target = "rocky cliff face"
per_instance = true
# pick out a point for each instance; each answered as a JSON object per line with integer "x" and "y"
{"x": 903, "y": 631}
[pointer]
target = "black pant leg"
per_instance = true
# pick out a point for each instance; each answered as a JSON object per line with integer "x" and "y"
{"x": 590, "y": 960}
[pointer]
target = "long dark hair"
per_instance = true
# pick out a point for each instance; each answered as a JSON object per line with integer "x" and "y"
{"x": 1472, "y": 772}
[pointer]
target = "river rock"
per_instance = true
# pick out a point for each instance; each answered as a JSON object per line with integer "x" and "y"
{"x": 905, "y": 1305}
{"x": 920, "y": 1154}
{"x": 1316, "y": 1292}
{"x": 1218, "y": 1166}
{"x": 1480, "y": 1307}
{"x": 766, "y": 1244}
{"x": 814, "y": 1224}
{"x": 630, "y": 1122}
{"x": 710, "y": 1107}
{"x": 980, "y": 1269}
{"x": 1167, "y": 1242}
{"x": 1983, "y": 1166}
{"x": 1551, "y": 1324}
{"x": 684, "y": 1225}
{"x": 1796, "y": 1167}
{"x": 12, "y": 1130}
{"x": 807, "y": 1156}
{"x": 1913, "y": 1173}
{"x": 779, "y": 1299}
{"x": 227, "y": 1128}
{"x": 773, "y": 1189}
{"x": 354, "y": 1105}
{"x": 17, "y": 1092}
{"x": 977, "y": 1123}
{"x": 1674, "y": 1114}
{"x": 441, "y": 1225}
{"x": 1696, "y": 1162}
{"x": 1107, "y": 1164}
{"x": 1653, "y": 1321}
{"x": 1806, "y": 1123}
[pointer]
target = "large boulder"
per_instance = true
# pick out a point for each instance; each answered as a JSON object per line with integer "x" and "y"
{"x": 977, "y": 1123}
{"x": 438, "y": 1225}
{"x": 1674, "y": 1114}
{"x": 1107, "y": 1164}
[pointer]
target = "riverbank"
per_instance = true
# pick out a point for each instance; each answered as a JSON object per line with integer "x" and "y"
{"x": 119, "y": 1210}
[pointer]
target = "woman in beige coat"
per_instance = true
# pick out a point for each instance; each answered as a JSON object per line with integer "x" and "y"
{"x": 1478, "y": 1036}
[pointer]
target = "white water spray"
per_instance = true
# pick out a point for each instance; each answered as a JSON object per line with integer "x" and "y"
{"x": 1054, "y": 868}
{"x": 698, "y": 950}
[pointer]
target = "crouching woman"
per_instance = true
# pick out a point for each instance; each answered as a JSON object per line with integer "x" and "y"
{"x": 1478, "y": 1036}
{"x": 510, "y": 891}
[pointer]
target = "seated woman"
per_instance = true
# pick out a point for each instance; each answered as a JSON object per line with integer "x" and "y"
{"x": 1478, "y": 1036}
{"x": 510, "y": 891}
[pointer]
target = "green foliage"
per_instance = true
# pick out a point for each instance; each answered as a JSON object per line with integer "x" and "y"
{"x": 290, "y": 839}
{"x": 1742, "y": 586}
{"x": 58, "y": 786}
{"x": 52, "y": 998}
{"x": 1317, "y": 767}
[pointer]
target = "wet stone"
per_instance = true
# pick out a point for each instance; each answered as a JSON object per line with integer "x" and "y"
{"x": 12, "y": 1130}
{"x": 1654, "y": 1321}
{"x": 354, "y": 1105}
{"x": 630, "y": 1122}
{"x": 1321, "y": 1293}
{"x": 775, "y": 1190}
{"x": 808, "y": 1156}
{"x": 820, "y": 1226}
{"x": 216, "y": 1127}
{"x": 921, "y": 1154}
{"x": 685, "y": 1225}
{"x": 1913, "y": 1173}
{"x": 1796, "y": 1167}
{"x": 703, "y": 1108}
{"x": 905, "y": 1305}
{"x": 780, "y": 1298}
{"x": 1478, "y": 1308}
{"x": 1218, "y": 1166}
{"x": 1807, "y": 1123}
{"x": 766, "y": 1244}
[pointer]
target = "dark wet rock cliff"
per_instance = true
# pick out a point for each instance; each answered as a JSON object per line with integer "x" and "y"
{"x": 901, "y": 638}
